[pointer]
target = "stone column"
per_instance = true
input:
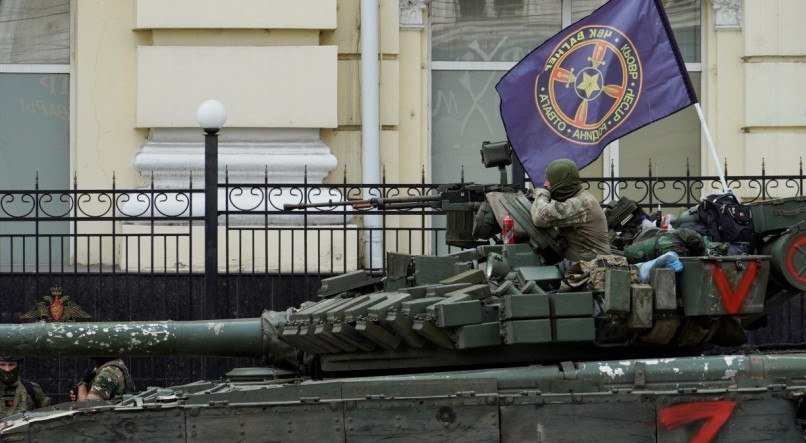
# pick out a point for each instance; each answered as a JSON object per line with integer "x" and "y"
{"x": 727, "y": 14}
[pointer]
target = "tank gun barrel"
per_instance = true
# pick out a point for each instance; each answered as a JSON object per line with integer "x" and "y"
{"x": 230, "y": 338}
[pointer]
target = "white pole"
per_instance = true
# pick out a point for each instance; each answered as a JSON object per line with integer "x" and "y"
{"x": 711, "y": 148}
{"x": 370, "y": 126}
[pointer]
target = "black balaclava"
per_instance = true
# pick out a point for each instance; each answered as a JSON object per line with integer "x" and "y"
{"x": 563, "y": 176}
{"x": 12, "y": 376}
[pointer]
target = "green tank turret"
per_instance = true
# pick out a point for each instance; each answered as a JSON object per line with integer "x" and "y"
{"x": 491, "y": 343}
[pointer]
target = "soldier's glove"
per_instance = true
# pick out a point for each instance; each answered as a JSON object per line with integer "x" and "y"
{"x": 87, "y": 376}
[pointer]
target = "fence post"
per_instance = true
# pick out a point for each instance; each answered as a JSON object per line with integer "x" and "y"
{"x": 763, "y": 179}
{"x": 210, "y": 220}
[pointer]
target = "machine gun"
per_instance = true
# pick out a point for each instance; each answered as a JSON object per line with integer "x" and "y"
{"x": 474, "y": 213}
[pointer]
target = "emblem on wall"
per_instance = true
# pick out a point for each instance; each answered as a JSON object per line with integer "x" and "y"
{"x": 56, "y": 308}
{"x": 589, "y": 85}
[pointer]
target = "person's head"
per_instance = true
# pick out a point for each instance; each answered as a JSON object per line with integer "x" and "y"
{"x": 562, "y": 179}
{"x": 9, "y": 368}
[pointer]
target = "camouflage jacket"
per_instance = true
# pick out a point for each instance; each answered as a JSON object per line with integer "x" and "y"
{"x": 111, "y": 381}
{"x": 15, "y": 398}
{"x": 579, "y": 219}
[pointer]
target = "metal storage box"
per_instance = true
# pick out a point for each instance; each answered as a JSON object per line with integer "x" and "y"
{"x": 777, "y": 214}
{"x": 723, "y": 285}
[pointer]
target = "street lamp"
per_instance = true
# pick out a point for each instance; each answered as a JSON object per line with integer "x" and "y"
{"x": 211, "y": 116}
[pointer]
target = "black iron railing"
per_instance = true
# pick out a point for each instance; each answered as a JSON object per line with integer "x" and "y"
{"x": 684, "y": 191}
{"x": 152, "y": 230}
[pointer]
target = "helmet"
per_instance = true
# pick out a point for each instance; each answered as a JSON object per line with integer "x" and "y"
{"x": 7, "y": 357}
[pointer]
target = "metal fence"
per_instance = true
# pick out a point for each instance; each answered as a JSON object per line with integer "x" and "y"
{"x": 52, "y": 235}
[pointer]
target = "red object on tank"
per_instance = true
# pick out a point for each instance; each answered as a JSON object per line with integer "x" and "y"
{"x": 508, "y": 231}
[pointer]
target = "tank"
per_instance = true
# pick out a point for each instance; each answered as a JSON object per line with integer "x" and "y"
{"x": 480, "y": 345}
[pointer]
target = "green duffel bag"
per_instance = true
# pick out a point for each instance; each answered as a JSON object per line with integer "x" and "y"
{"x": 685, "y": 242}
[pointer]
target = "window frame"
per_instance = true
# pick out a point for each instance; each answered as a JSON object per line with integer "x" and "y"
{"x": 610, "y": 155}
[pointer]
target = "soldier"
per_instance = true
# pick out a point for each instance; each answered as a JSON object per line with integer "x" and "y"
{"x": 564, "y": 205}
{"x": 108, "y": 380}
{"x": 18, "y": 395}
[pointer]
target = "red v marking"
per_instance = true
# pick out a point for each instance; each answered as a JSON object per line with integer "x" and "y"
{"x": 734, "y": 299}
{"x": 715, "y": 414}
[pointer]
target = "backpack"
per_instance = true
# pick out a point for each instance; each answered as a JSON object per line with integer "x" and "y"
{"x": 725, "y": 219}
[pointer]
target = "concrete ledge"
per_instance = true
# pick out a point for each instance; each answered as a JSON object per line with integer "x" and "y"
{"x": 235, "y": 14}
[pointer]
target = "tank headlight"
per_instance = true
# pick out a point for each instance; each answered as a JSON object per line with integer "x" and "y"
{"x": 496, "y": 266}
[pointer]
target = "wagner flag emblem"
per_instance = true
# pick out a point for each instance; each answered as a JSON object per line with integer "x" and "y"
{"x": 601, "y": 78}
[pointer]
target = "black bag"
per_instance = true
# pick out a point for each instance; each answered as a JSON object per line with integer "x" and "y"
{"x": 725, "y": 219}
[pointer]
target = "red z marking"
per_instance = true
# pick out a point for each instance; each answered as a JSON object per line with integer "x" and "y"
{"x": 715, "y": 414}
{"x": 734, "y": 299}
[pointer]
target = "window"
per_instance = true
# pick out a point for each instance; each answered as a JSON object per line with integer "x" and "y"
{"x": 474, "y": 42}
{"x": 34, "y": 111}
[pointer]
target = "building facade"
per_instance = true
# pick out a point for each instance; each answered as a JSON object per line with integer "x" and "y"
{"x": 93, "y": 88}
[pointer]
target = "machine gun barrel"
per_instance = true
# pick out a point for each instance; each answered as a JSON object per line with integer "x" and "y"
{"x": 230, "y": 338}
{"x": 417, "y": 201}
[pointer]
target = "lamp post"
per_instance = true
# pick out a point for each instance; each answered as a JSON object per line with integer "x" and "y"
{"x": 211, "y": 116}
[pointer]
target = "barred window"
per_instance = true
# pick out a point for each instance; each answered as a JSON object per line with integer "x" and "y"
{"x": 35, "y": 111}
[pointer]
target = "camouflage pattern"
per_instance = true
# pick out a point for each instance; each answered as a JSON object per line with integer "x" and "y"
{"x": 14, "y": 398}
{"x": 112, "y": 381}
{"x": 589, "y": 275}
{"x": 579, "y": 219}
{"x": 683, "y": 241}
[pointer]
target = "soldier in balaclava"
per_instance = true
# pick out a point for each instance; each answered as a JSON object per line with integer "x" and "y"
{"x": 18, "y": 395}
{"x": 576, "y": 214}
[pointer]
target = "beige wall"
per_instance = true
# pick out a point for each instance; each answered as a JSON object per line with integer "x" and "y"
{"x": 755, "y": 106}
{"x": 774, "y": 58}
{"x": 723, "y": 97}
{"x": 104, "y": 93}
{"x": 115, "y": 42}
{"x": 395, "y": 84}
